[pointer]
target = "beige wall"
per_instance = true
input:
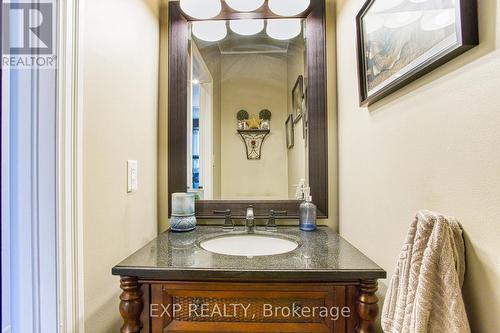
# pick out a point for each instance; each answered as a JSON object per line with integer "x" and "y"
{"x": 120, "y": 85}
{"x": 297, "y": 156}
{"x": 435, "y": 145}
{"x": 253, "y": 82}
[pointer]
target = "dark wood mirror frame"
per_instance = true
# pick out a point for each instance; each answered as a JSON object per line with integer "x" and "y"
{"x": 316, "y": 105}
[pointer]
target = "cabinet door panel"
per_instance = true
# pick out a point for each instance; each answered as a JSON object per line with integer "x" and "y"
{"x": 247, "y": 307}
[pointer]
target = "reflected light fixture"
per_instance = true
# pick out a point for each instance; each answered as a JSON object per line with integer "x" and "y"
{"x": 288, "y": 7}
{"x": 283, "y": 29}
{"x": 209, "y": 31}
{"x": 245, "y": 5}
{"x": 384, "y": 5}
{"x": 438, "y": 19}
{"x": 201, "y": 9}
{"x": 373, "y": 23}
{"x": 401, "y": 19}
{"x": 246, "y": 27}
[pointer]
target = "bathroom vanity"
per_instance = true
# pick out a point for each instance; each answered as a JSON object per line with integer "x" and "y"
{"x": 248, "y": 135}
{"x": 173, "y": 284}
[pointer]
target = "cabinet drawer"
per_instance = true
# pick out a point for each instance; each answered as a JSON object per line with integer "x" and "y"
{"x": 246, "y": 307}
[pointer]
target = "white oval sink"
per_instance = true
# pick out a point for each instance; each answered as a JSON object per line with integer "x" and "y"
{"x": 249, "y": 245}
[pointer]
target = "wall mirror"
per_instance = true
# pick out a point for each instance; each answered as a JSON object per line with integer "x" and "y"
{"x": 247, "y": 110}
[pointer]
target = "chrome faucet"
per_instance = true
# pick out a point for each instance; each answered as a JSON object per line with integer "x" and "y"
{"x": 250, "y": 222}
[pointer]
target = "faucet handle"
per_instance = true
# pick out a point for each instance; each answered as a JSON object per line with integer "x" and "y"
{"x": 271, "y": 223}
{"x": 228, "y": 222}
{"x": 250, "y": 213}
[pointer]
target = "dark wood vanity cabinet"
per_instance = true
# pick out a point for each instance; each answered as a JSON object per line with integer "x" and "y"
{"x": 173, "y": 284}
{"x": 162, "y": 306}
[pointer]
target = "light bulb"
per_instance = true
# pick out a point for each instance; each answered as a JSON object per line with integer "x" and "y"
{"x": 245, "y": 5}
{"x": 201, "y": 9}
{"x": 288, "y": 7}
{"x": 210, "y": 31}
{"x": 246, "y": 27}
{"x": 283, "y": 29}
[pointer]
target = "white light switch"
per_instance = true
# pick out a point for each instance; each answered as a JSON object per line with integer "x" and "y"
{"x": 131, "y": 176}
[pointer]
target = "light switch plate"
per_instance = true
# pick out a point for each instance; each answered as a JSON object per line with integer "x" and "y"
{"x": 132, "y": 176}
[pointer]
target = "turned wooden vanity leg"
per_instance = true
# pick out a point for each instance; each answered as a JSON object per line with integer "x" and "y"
{"x": 367, "y": 306}
{"x": 130, "y": 305}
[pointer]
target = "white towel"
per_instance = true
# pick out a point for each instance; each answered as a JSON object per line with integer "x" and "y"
{"x": 425, "y": 293}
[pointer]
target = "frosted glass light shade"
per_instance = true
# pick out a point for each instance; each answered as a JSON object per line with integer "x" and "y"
{"x": 246, "y": 27}
{"x": 201, "y": 9}
{"x": 283, "y": 29}
{"x": 210, "y": 31}
{"x": 288, "y": 7}
{"x": 245, "y": 5}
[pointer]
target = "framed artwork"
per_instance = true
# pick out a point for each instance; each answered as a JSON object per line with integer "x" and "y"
{"x": 305, "y": 117}
{"x": 399, "y": 41}
{"x": 298, "y": 99}
{"x": 289, "y": 131}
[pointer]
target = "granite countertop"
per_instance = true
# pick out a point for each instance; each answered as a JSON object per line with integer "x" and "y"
{"x": 321, "y": 256}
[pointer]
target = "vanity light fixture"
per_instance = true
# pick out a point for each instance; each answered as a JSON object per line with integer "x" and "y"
{"x": 283, "y": 29}
{"x": 245, "y": 5}
{"x": 202, "y": 10}
{"x": 246, "y": 27}
{"x": 210, "y": 31}
{"x": 288, "y": 7}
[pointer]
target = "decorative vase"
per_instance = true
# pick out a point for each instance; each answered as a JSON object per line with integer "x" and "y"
{"x": 264, "y": 125}
{"x": 182, "y": 223}
{"x": 183, "y": 215}
{"x": 242, "y": 124}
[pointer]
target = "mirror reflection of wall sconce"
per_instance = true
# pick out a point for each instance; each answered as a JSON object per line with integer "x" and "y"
{"x": 253, "y": 131}
{"x": 253, "y": 139}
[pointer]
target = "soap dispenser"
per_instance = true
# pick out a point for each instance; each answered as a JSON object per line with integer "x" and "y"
{"x": 307, "y": 214}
